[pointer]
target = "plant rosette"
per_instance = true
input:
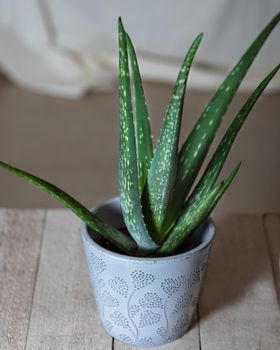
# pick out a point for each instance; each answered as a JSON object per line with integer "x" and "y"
{"x": 145, "y": 301}
{"x": 146, "y": 293}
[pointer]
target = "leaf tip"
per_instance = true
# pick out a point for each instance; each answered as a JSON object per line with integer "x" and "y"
{"x": 120, "y": 25}
{"x": 200, "y": 36}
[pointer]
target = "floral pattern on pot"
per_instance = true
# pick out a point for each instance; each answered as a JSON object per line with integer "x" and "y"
{"x": 147, "y": 301}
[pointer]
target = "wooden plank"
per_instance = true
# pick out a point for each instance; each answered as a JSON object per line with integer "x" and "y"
{"x": 272, "y": 230}
{"x": 238, "y": 308}
{"x": 64, "y": 315}
{"x": 190, "y": 341}
{"x": 20, "y": 240}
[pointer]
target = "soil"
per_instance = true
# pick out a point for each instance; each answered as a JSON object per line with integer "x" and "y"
{"x": 107, "y": 245}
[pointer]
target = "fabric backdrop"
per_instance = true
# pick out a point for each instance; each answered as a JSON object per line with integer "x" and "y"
{"x": 65, "y": 47}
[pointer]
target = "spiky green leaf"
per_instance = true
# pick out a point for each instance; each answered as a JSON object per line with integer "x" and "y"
{"x": 117, "y": 238}
{"x": 128, "y": 173}
{"x": 163, "y": 167}
{"x": 193, "y": 215}
{"x": 144, "y": 144}
{"x": 195, "y": 148}
{"x": 216, "y": 163}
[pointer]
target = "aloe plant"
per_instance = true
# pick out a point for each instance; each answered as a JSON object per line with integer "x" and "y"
{"x": 158, "y": 208}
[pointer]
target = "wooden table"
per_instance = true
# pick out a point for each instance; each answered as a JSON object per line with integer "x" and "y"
{"x": 46, "y": 300}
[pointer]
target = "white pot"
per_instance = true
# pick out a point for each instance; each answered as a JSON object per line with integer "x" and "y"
{"x": 145, "y": 301}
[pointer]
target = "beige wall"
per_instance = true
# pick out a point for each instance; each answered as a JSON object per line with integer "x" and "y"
{"x": 74, "y": 144}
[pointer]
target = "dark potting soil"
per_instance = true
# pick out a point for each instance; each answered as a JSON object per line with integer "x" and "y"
{"x": 107, "y": 245}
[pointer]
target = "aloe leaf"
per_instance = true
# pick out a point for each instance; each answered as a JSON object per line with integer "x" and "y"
{"x": 193, "y": 215}
{"x": 216, "y": 163}
{"x": 128, "y": 174}
{"x": 163, "y": 167}
{"x": 204, "y": 188}
{"x": 117, "y": 238}
{"x": 195, "y": 148}
{"x": 144, "y": 144}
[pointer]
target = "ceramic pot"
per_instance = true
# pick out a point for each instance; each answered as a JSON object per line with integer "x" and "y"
{"x": 145, "y": 301}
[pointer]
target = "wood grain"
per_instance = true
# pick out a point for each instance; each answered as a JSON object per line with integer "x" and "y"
{"x": 64, "y": 315}
{"x": 238, "y": 308}
{"x": 46, "y": 301}
{"x": 20, "y": 240}
{"x": 272, "y": 230}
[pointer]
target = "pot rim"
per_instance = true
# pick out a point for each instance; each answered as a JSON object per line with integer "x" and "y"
{"x": 205, "y": 243}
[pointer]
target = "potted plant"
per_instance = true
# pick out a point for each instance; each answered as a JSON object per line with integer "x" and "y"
{"x": 147, "y": 250}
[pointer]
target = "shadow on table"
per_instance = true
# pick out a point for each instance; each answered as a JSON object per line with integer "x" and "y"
{"x": 238, "y": 262}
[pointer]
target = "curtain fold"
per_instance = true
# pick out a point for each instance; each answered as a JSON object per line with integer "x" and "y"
{"x": 65, "y": 48}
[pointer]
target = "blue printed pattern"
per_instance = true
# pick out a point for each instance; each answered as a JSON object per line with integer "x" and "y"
{"x": 134, "y": 304}
{"x": 151, "y": 301}
{"x": 109, "y": 300}
{"x": 119, "y": 319}
{"x": 181, "y": 324}
{"x": 98, "y": 265}
{"x": 148, "y": 318}
{"x": 133, "y": 310}
{"x": 119, "y": 286}
{"x": 182, "y": 302}
{"x": 194, "y": 277}
{"x": 141, "y": 279}
{"x": 172, "y": 285}
{"x": 146, "y": 341}
{"x": 125, "y": 338}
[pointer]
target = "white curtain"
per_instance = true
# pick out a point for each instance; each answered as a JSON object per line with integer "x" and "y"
{"x": 65, "y": 47}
